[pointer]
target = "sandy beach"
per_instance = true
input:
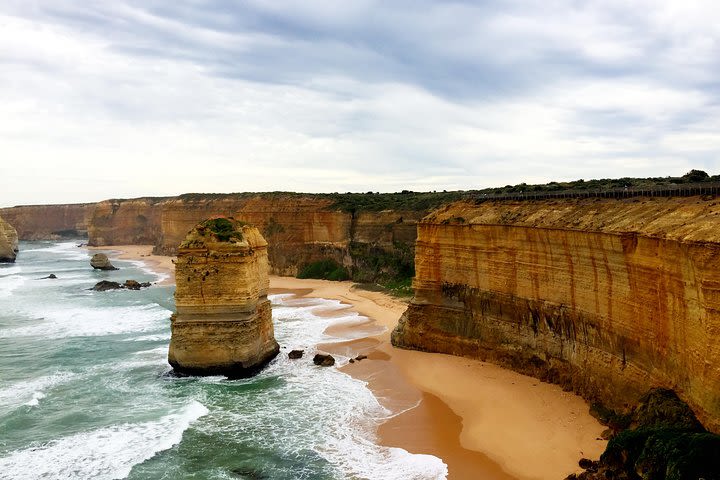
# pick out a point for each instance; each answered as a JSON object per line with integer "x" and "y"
{"x": 483, "y": 421}
{"x": 160, "y": 263}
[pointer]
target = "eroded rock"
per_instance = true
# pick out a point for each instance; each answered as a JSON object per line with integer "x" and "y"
{"x": 295, "y": 354}
{"x": 223, "y": 323}
{"x": 100, "y": 261}
{"x": 8, "y": 242}
{"x": 324, "y": 360}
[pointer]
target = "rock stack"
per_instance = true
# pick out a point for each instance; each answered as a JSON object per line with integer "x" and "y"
{"x": 223, "y": 324}
{"x": 8, "y": 242}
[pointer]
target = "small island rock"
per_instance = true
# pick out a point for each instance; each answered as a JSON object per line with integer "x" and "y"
{"x": 324, "y": 360}
{"x": 295, "y": 354}
{"x": 107, "y": 285}
{"x": 100, "y": 261}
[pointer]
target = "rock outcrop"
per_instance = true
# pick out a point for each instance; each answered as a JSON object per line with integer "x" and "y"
{"x": 223, "y": 323}
{"x": 49, "y": 222}
{"x": 100, "y": 261}
{"x": 8, "y": 242}
{"x": 607, "y": 297}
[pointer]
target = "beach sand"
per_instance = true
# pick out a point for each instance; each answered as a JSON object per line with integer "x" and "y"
{"x": 485, "y": 422}
{"x": 159, "y": 263}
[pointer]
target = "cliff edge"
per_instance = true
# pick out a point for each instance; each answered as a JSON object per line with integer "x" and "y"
{"x": 608, "y": 297}
{"x": 223, "y": 323}
{"x": 8, "y": 242}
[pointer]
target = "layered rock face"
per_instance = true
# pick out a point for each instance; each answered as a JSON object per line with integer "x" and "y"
{"x": 300, "y": 228}
{"x": 49, "y": 222}
{"x": 608, "y": 297}
{"x": 223, "y": 323}
{"x": 128, "y": 222}
{"x": 8, "y": 242}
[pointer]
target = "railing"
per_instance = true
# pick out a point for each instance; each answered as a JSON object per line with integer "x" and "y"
{"x": 672, "y": 190}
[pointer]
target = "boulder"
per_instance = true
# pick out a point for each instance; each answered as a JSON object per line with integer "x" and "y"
{"x": 100, "y": 261}
{"x": 107, "y": 285}
{"x": 323, "y": 360}
{"x": 52, "y": 276}
{"x": 295, "y": 354}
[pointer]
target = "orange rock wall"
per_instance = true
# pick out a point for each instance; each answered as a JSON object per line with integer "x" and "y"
{"x": 49, "y": 222}
{"x": 299, "y": 229}
{"x": 608, "y": 297}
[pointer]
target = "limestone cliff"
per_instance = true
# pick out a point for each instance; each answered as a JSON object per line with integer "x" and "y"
{"x": 608, "y": 297}
{"x": 8, "y": 242}
{"x": 300, "y": 229}
{"x": 49, "y": 222}
{"x": 223, "y": 323}
{"x": 371, "y": 235}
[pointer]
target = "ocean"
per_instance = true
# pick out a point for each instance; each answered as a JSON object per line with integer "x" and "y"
{"x": 85, "y": 391}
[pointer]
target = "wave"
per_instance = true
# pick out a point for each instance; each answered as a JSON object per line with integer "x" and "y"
{"x": 31, "y": 392}
{"x": 105, "y": 453}
{"x": 321, "y": 409}
{"x": 89, "y": 322}
{"x": 10, "y": 283}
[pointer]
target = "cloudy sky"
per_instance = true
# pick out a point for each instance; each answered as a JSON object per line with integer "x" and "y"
{"x": 127, "y": 98}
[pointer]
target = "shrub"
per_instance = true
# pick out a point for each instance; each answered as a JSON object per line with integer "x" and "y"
{"x": 326, "y": 269}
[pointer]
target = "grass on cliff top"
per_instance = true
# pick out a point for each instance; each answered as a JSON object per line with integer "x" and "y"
{"x": 427, "y": 201}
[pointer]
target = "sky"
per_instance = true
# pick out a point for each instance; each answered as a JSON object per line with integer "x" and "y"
{"x": 128, "y": 98}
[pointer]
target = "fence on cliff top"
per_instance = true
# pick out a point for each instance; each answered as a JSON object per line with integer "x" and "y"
{"x": 672, "y": 190}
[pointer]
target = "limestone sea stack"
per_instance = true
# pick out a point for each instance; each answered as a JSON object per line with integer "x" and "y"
{"x": 8, "y": 242}
{"x": 223, "y": 324}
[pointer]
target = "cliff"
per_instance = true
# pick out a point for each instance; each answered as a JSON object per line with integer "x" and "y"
{"x": 607, "y": 297}
{"x": 300, "y": 229}
{"x": 8, "y": 242}
{"x": 371, "y": 235}
{"x": 223, "y": 323}
{"x": 49, "y": 222}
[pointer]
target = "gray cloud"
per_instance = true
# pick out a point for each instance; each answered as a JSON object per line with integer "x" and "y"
{"x": 363, "y": 95}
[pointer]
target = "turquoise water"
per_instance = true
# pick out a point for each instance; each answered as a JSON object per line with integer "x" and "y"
{"x": 84, "y": 390}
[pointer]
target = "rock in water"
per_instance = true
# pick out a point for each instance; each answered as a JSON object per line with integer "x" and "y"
{"x": 295, "y": 354}
{"x": 100, "y": 261}
{"x": 106, "y": 285}
{"x": 8, "y": 242}
{"x": 223, "y": 324}
{"x": 323, "y": 360}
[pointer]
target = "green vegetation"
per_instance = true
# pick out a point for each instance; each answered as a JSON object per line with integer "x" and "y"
{"x": 405, "y": 200}
{"x": 660, "y": 440}
{"x": 693, "y": 176}
{"x": 375, "y": 264}
{"x": 326, "y": 269}
{"x": 224, "y": 229}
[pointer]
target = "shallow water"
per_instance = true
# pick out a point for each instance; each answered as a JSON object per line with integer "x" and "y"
{"x": 84, "y": 390}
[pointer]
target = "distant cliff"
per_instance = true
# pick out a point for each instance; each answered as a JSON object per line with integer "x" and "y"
{"x": 49, "y": 222}
{"x": 372, "y": 235}
{"x": 608, "y": 297}
{"x": 8, "y": 242}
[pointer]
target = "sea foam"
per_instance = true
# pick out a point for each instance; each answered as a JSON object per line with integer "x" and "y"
{"x": 91, "y": 321}
{"x": 105, "y": 453}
